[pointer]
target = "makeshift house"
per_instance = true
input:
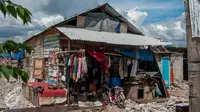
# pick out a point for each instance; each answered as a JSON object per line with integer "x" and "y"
{"x": 177, "y": 66}
{"x": 171, "y": 64}
{"x": 162, "y": 57}
{"x": 96, "y": 46}
{"x": 11, "y": 59}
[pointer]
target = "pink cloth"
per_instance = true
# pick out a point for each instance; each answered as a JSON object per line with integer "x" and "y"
{"x": 129, "y": 62}
{"x": 106, "y": 64}
{"x": 79, "y": 69}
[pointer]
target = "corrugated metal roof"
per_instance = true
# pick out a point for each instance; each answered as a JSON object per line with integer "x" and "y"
{"x": 109, "y": 38}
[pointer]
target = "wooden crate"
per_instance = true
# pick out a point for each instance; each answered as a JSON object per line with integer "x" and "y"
{"x": 29, "y": 94}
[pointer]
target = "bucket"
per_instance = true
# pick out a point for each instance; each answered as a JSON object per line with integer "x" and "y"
{"x": 114, "y": 82}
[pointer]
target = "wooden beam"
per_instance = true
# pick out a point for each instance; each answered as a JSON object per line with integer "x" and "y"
{"x": 193, "y": 51}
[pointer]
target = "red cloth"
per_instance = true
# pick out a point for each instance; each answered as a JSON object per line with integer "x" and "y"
{"x": 47, "y": 92}
{"x": 106, "y": 64}
{"x": 99, "y": 56}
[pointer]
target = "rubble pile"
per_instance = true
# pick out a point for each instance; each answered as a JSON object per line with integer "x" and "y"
{"x": 11, "y": 96}
{"x": 179, "y": 93}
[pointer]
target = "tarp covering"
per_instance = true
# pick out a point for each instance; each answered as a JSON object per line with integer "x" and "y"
{"x": 17, "y": 56}
{"x": 140, "y": 54}
{"x": 101, "y": 22}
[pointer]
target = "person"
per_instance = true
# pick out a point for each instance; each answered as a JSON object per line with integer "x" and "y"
{"x": 93, "y": 89}
{"x": 92, "y": 86}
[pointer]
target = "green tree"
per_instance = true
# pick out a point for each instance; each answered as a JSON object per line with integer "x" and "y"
{"x": 12, "y": 47}
{"x": 7, "y": 7}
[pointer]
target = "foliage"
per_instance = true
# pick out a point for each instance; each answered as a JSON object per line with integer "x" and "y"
{"x": 7, "y": 7}
{"x": 15, "y": 10}
{"x": 13, "y": 47}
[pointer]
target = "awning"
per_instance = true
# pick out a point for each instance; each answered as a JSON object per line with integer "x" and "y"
{"x": 140, "y": 54}
{"x": 110, "y": 38}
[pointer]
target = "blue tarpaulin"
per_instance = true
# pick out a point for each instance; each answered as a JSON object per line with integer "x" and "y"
{"x": 140, "y": 54}
{"x": 17, "y": 56}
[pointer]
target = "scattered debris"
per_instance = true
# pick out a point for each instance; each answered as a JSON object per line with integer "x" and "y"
{"x": 179, "y": 93}
{"x": 11, "y": 97}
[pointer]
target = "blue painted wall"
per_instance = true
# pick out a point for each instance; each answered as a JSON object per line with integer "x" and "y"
{"x": 166, "y": 71}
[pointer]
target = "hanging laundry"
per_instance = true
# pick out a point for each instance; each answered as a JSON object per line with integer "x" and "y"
{"x": 99, "y": 56}
{"x": 71, "y": 64}
{"x": 79, "y": 69}
{"x": 129, "y": 65}
{"x": 134, "y": 68}
{"x": 125, "y": 67}
{"x": 106, "y": 64}
{"x": 129, "y": 69}
{"x": 109, "y": 62}
{"x": 71, "y": 60}
{"x": 84, "y": 65}
{"x": 75, "y": 68}
{"x": 129, "y": 62}
{"x": 121, "y": 72}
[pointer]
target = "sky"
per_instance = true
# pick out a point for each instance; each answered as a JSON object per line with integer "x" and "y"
{"x": 163, "y": 19}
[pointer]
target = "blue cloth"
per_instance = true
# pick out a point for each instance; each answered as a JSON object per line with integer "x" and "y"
{"x": 140, "y": 54}
{"x": 6, "y": 54}
{"x": 158, "y": 92}
{"x": 17, "y": 56}
{"x": 52, "y": 82}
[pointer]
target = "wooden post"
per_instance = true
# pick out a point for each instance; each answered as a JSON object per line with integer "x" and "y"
{"x": 68, "y": 87}
{"x": 193, "y": 53}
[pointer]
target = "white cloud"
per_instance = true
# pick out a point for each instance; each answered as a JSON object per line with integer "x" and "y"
{"x": 34, "y": 32}
{"x": 45, "y": 13}
{"x": 10, "y": 21}
{"x": 161, "y": 27}
{"x": 173, "y": 30}
{"x": 49, "y": 20}
{"x": 20, "y": 38}
{"x": 134, "y": 16}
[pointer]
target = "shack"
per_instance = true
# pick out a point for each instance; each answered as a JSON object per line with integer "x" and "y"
{"x": 93, "y": 47}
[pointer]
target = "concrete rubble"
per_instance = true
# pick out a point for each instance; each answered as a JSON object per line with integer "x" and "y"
{"x": 179, "y": 93}
{"x": 11, "y": 97}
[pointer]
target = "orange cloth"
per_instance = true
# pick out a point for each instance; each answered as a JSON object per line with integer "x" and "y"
{"x": 171, "y": 75}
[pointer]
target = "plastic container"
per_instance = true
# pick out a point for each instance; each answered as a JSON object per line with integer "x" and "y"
{"x": 114, "y": 82}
